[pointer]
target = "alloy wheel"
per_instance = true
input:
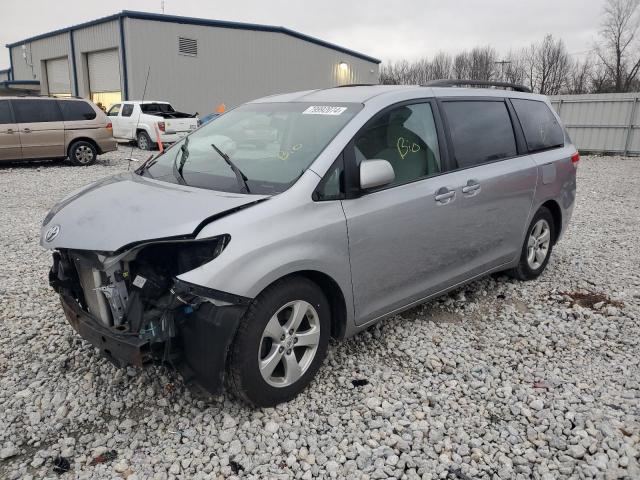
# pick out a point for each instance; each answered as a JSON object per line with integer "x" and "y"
{"x": 142, "y": 143}
{"x": 538, "y": 244}
{"x": 289, "y": 343}
{"x": 83, "y": 154}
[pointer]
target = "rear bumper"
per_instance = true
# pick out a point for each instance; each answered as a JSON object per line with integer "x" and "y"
{"x": 107, "y": 145}
{"x": 173, "y": 137}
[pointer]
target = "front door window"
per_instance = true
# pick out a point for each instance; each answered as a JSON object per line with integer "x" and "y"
{"x": 406, "y": 137}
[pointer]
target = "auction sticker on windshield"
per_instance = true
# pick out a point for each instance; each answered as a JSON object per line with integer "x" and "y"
{"x": 324, "y": 110}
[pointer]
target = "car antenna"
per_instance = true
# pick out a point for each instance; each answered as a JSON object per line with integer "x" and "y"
{"x": 144, "y": 92}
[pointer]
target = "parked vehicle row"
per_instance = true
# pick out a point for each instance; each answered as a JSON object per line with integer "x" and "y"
{"x": 149, "y": 121}
{"x": 46, "y": 128}
{"x": 239, "y": 251}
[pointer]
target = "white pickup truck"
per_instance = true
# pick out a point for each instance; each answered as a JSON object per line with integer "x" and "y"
{"x": 144, "y": 121}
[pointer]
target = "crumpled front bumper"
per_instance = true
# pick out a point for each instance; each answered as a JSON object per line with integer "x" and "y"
{"x": 120, "y": 348}
{"x": 203, "y": 339}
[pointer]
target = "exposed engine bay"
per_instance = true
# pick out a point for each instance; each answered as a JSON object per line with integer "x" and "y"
{"x": 135, "y": 310}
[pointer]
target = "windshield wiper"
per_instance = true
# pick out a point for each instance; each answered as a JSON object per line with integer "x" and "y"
{"x": 177, "y": 168}
{"x": 240, "y": 177}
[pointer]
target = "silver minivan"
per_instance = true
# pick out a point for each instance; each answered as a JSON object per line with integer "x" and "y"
{"x": 239, "y": 252}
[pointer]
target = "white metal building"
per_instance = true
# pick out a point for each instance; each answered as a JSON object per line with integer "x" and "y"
{"x": 194, "y": 63}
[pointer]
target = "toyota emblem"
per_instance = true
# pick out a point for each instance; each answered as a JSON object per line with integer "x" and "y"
{"x": 52, "y": 233}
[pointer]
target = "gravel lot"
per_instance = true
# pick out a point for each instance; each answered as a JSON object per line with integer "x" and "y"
{"x": 501, "y": 379}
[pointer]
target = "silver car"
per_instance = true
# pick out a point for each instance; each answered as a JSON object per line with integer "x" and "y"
{"x": 241, "y": 250}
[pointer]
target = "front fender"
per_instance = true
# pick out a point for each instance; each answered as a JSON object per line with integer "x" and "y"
{"x": 274, "y": 239}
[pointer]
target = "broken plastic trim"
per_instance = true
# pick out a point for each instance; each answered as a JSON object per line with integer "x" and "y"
{"x": 182, "y": 287}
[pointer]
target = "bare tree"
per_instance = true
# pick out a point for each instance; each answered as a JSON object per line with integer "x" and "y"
{"x": 515, "y": 71}
{"x": 482, "y": 63}
{"x": 441, "y": 66}
{"x": 547, "y": 66}
{"x": 619, "y": 50}
{"x": 461, "y": 65}
{"x": 579, "y": 78}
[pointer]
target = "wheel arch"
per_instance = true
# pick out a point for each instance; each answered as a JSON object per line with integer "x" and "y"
{"x": 334, "y": 295}
{"x": 90, "y": 140}
{"x": 556, "y": 213}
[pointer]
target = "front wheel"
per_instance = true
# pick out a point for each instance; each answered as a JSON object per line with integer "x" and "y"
{"x": 537, "y": 247}
{"x": 281, "y": 343}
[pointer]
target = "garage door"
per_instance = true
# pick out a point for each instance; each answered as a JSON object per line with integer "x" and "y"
{"x": 104, "y": 71}
{"x": 58, "y": 76}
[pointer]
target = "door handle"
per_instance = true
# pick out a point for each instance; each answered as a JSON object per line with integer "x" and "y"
{"x": 26, "y": 130}
{"x": 444, "y": 195}
{"x": 9, "y": 130}
{"x": 471, "y": 186}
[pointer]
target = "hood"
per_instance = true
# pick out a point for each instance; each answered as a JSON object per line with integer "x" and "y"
{"x": 127, "y": 208}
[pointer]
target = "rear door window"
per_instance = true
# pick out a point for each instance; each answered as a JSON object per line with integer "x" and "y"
{"x": 76, "y": 110}
{"x": 481, "y": 131}
{"x": 127, "y": 110}
{"x": 35, "y": 111}
{"x": 5, "y": 112}
{"x": 541, "y": 129}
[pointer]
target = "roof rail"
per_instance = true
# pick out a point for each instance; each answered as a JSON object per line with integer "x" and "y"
{"x": 29, "y": 93}
{"x": 356, "y": 85}
{"x": 476, "y": 83}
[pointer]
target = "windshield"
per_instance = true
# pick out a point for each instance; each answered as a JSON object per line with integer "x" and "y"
{"x": 271, "y": 144}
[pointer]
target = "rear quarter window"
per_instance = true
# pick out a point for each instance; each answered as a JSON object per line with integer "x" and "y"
{"x": 76, "y": 110}
{"x": 541, "y": 129}
{"x": 481, "y": 131}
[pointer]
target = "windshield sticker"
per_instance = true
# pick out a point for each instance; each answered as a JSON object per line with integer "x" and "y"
{"x": 324, "y": 110}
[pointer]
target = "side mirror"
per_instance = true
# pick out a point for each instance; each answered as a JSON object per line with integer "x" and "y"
{"x": 375, "y": 173}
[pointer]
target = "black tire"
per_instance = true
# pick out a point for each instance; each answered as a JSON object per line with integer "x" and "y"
{"x": 524, "y": 270}
{"x": 143, "y": 140}
{"x": 245, "y": 379}
{"x": 83, "y": 153}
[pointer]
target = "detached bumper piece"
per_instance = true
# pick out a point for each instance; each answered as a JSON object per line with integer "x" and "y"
{"x": 120, "y": 348}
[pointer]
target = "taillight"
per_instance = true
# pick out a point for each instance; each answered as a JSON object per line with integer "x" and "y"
{"x": 161, "y": 126}
{"x": 109, "y": 126}
{"x": 575, "y": 159}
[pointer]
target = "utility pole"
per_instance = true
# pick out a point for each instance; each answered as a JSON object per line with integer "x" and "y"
{"x": 162, "y": 6}
{"x": 502, "y": 63}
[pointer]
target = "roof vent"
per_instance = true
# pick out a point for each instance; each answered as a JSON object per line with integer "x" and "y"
{"x": 187, "y": 46}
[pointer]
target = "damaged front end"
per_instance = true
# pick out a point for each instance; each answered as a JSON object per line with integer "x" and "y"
{"x": 134, "y": 309}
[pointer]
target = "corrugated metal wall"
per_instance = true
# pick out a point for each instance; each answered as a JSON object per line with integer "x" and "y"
{"x": 29, "y": 62}
{"x": 606, "y": 123}
{"x": 93, "y": 38}
{"x": 232, "y": 65}
{"x": 103, "y": 36}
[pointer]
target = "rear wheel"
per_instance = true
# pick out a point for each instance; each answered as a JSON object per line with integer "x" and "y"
{"x": 82, "y": 153}
{"x": 144, "y": 141}
{"x": 537, "y": 246}
{"x": 281, "y": 343}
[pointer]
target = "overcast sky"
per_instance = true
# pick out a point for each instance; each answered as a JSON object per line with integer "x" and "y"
{"x": 386, "y": 29}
